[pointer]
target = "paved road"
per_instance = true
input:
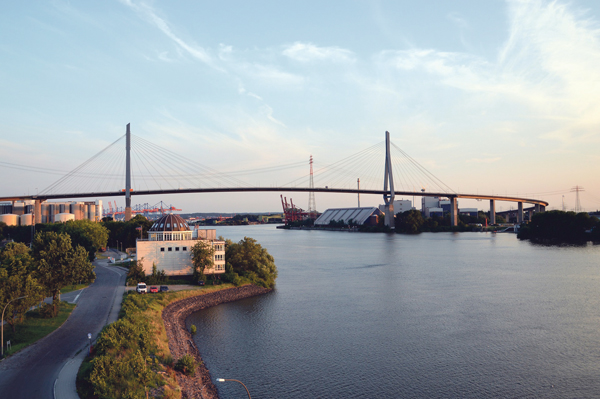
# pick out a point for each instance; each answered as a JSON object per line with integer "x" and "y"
{"x": 31, "y": 373}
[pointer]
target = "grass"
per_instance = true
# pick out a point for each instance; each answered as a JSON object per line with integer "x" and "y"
{"x": 35, "y": 328}
{"x": 156, "y": 304}
{"x": 72, "y": 288}
{"x": 152, "y": 312}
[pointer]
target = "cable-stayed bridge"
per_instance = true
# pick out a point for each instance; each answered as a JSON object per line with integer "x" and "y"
{"x": 134, "y": 166}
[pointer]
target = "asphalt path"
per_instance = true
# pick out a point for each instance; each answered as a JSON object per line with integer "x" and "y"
{"x": 32, "y": 372}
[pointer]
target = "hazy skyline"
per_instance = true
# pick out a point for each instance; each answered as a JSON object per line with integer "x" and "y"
{"x": 492, "y": 97}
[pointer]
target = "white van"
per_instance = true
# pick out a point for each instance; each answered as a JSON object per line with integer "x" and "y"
{"x": 141, "y": 288}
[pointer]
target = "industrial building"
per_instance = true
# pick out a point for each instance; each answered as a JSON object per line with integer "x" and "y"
{"x": 21, "y": 212}
{"x": 169, "y": 247}
{"x": 430, "y": 207}
{"x": 360, "y": 216}
{"x": 400, "y": 206}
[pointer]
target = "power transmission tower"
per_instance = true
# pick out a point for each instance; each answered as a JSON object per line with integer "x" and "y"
{"x": 576, "y": 190}
{"x": 312, "y": 207}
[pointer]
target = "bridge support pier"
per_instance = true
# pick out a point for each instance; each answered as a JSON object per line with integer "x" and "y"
{"x": 388, "y": 178}
{"x": 453, "y": 211}
{"x": 492, "y": 212}
{"x": 37, "y": 212}
{"x": 520, "y": 212}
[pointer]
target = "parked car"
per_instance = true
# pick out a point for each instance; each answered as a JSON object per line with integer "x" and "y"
{"x": 201, "y": 282}
{"x": 153, "y": 289}
{"x": 141, "y": 288}
{"x": 164, "y": 288}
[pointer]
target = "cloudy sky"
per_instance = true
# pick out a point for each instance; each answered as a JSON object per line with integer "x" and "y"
{"x": 492, "y": 97}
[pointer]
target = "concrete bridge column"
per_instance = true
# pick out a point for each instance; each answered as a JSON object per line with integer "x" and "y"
{"x": 537, "y": 208}
{"x": 37, "y": 210}
{"x": 520, "y": 213}
{"x": 453, "y": 212}
{"x": 492, "y": 212}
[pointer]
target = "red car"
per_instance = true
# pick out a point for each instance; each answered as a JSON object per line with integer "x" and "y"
{"x": 153, "y": 289}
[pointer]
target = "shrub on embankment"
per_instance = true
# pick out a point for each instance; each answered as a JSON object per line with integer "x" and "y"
{"x": 131, "y": 356}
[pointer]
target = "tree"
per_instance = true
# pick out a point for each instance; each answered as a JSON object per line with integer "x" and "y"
{"x": 90, "y": 235}
{"x": 409, "y": 222}
{"x": 558, "y": 226}
{"x": 58, "y": 264}
{"x": 17, "y": 280}
{"x": 136, "y": 272}
{"x": 202, "y": 259}
{"x": 249, "y": 259}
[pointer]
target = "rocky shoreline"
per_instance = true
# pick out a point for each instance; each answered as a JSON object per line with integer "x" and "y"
{"x": 181, "y": 341}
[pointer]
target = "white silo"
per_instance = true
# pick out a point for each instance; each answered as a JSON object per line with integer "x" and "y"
{"x": 63, "y": 217}
{"x": 10, "y": 219}
{"x": 26, "y": 219}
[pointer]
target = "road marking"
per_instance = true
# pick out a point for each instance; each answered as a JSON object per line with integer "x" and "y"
{"x": 77, "y": 297}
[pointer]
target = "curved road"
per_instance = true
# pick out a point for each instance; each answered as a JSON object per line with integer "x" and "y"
{"x": 31, "y": 373}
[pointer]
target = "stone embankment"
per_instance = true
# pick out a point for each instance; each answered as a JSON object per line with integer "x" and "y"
{"x": 181, "y": 341}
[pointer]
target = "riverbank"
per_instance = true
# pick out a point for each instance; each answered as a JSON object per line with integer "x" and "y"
{"x": 181, "y": 341}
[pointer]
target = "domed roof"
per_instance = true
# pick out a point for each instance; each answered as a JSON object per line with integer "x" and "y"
{"x": 170, "y": 223}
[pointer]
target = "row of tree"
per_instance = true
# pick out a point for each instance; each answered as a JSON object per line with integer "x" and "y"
{"x": 559, "y": 226}
{"x": 51, "y": 264}
{"x": 85, "y": 233}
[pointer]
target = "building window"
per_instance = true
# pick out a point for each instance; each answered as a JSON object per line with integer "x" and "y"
{"x": 176, "y": 248}
{"x": 184, "y": 249}
{"x": 168, "y": 225}
{"x": 162, "y": 250}
{"x": 170, "y": 249}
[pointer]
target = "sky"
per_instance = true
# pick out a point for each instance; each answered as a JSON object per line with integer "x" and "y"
{"x": 491, "y": 97}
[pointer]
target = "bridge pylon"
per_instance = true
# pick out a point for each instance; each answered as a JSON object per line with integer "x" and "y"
{"x": 128, "y": 175}
{"x": 388, "y": 179}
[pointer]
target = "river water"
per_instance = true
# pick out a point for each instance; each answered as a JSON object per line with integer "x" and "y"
{"x": 436, "y": 315}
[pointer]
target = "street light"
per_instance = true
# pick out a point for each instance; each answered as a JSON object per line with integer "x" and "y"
{"x": 2, "y": 322}
{"x": 229, "y": 379}
{"x": 90, "y": 341}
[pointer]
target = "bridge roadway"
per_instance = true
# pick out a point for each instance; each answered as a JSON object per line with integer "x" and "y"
{"x": 539, "y": 204}
{"x": 45, "y": 197}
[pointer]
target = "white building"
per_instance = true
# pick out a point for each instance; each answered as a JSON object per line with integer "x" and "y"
{"x": 400, "y": 206}
{"x": 429, "y": 202}
{"x": 169, "y": 246}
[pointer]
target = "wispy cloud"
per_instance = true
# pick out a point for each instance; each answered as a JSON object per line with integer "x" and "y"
{"x": 308, "y": 52}
{"x": 150, "y": 15}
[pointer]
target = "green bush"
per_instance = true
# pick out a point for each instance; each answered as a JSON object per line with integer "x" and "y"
{"x": 186, "y": 365}
{"x": 47, "y": 311}
{"x": 193, "y": 329}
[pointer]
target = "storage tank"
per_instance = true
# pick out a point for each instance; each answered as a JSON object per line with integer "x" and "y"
{"x": 26, "y": 220}
{"x": 10, "y": 219}
{"x": 92, "y": 212}
{"x": 63, "y": 217}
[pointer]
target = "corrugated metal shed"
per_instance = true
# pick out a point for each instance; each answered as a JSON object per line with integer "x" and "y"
{"x": 358, "y": 215}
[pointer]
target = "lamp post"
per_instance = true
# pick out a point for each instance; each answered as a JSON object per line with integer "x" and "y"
{"x": 90, "y": 343}
{"x": 229, "y": 379}
{"x": 2, "y": 322}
